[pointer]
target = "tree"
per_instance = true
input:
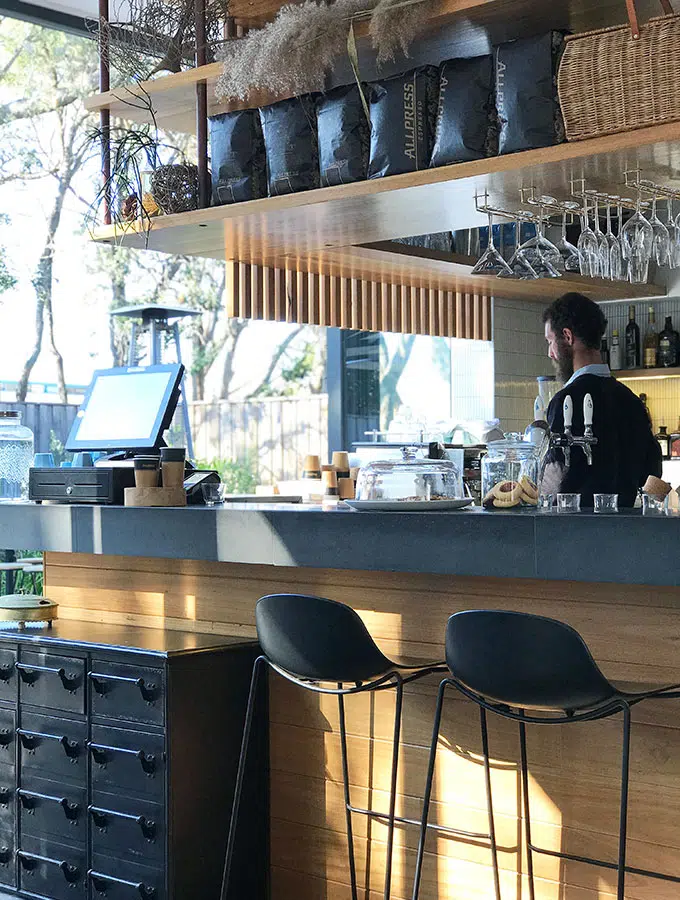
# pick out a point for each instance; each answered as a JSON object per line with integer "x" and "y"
{"x": 389, "y": 382}
{"x": 46, "y": 73}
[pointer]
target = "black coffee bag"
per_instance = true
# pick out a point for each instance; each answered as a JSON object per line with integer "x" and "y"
{"x": 466, "y": 116}
{"x": 526, "y": 93}
{"x": 237, "y": 157}
{"x": 403, "y": 109}
{"x": 289, "y": 129}
{"x": 343, "y": 134}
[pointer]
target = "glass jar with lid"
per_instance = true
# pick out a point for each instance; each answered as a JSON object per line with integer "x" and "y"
{"x": 410, "y": 479}
{"x": 16, "y": 456}
{"x": 510, "y": 474}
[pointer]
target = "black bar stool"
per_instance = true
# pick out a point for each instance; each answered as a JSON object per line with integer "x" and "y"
{"x": 314, "y": 642}
{"x": 510, "y": 662}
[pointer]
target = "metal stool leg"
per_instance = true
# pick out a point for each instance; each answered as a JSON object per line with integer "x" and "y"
{"x": 623, "y": 814}
{"x": 489, "y": 803}
{"x": 428, "y": 789}
{"x": 240, "y": 775}
{"x": 345, "y": 780}
{"x": 393, "y": 786}
{"x": 525, "y": 803}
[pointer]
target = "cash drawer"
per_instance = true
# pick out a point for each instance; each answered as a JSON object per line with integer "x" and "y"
{"x": 120, "y": 691}
{"x": 126, "y": 761}
{"x": 53, "y": 810}
{"x": 53, "y": 746}
{"x": 130, "y": 829}
{"x": 50, "y": 869}
{"x": 57, "y": 682}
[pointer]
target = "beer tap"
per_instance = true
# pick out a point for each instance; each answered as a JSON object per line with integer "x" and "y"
{"x": 567, "y": 440}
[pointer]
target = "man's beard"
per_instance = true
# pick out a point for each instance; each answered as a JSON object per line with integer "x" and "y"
{"x": 564, "y": 364}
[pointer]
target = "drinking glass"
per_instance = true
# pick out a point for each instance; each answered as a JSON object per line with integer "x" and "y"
{"x": 571, "y": 261}
{"x": 611, "y": 242}
{"x": 652, "y": 506}
{"x": 542, "y": 254}
{"x": 545, "y": 503}
{"x": 588, "y": 247}
{"x": 602, "y": 245}
{"x": 44, "y": 461}
{"x": 519, "y": 265}
{"x": 569, "y": 503}
{"x": 606, "y": 503}
{"x": 674, "y": 236}
{"x": 491, "y": 262}
{"x": 660, "y": 241}
{"x": 212, "y": 493}
{"x": 618, "y": 268}
{"x": 637, "y": 237}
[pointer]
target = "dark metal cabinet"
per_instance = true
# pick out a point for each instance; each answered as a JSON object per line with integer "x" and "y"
{"x": 118, "y": 755}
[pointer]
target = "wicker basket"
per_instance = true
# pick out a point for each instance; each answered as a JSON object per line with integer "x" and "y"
{"x": 612, "y": 80}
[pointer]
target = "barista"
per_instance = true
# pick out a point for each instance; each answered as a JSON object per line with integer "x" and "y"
{"x": 626, "y": 452}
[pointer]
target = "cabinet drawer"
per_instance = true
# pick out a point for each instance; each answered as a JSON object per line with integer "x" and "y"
{"x": 50, "y": 869}
{"x": 52, "y": 810}
{"x": 131, "y": 829}
{"x": 127, "y": 762}
{"x": 113, "y": 880}
{"x": 7, "y": 737}
{"x": 57, "y": 682}
{"x": 8, "y": 797}
{"x": 8, "y": 675}
{"x": 123, "y": 691}
{"x": 51, "y": 746}
{"x": 7, "y": 857}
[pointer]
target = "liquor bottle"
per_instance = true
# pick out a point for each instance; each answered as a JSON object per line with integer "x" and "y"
{"x": 643, "y": 399}
{"x": 664, "y": 442}
{"x": 604, "y": 351}
{"x": 615, "y": 352}
{"x": 668, "y": 345}
{"x": 651, "y": 345}
{"x": 632, "y": 344}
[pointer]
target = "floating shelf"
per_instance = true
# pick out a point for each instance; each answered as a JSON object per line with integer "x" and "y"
{"x": 645, "y": 374}
{"x": 326, "y": 230}
{"x": 476, "y": 25}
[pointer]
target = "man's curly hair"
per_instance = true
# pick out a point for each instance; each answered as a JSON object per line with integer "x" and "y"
{"x": 580, "y": 315}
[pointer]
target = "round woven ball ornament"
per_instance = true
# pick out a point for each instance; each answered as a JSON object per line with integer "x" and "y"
{"x": 175, "y": 188}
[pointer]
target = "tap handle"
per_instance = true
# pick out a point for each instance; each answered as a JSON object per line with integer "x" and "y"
{"x": 588, "y": 411}
{"x": 568, "y": 410}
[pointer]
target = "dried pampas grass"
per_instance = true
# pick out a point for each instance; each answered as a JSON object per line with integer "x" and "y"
{"x": 294, "y": 54}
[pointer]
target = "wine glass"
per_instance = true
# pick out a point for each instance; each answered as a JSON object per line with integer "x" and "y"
{"x": 637, "y": 238}
{"x": 571, "y": 261}
{"x": 519, "y": 265}
{"x": 587, "y": 246}
{"x": 491, "y": 262}
{"x": 612, "y": 245}
{"x": 618, "y": 268}
{"x": 660, "y": 241}
{"x": 674, "y": 236}
{"x": 602, "y": 245}
{"x": 543, "y": 255}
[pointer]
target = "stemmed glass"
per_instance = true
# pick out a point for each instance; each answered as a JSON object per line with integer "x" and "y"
{"x": 637, "y": 236}
{"x": 520, "y": 267}
{"x": 674, "y": 236}
{"x": 612, "y": 251}
{"x": 587, "y": 246}
{"x": 543, "y": 255}
{"x": 660, "y": 241}
{"x": 571, "y": 261}
{"x": 618, "y": 269}
{"x": 491, "y": 262}
{"x": 602, "y": 245}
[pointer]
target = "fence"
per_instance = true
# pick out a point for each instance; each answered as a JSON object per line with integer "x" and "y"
{"x": 44, "y": 418}
{"x": 272, "y": 434}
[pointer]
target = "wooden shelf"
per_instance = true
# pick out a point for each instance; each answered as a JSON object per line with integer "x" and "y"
{"x": 325, "y": 230}
{"x": 643, "y": 374}
{"x": 471, "y": 26}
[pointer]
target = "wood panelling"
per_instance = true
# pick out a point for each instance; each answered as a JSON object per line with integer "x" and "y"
{"x": 633, "y": 631}
{"x": 304, "y": 299}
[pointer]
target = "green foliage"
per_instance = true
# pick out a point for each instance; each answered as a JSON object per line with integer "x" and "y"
{"x": 239, "y": 476}
{"x": 7, "y": 280}
{"x": 57, "y": 449}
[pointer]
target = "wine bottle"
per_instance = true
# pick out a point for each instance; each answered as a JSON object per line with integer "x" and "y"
{"x": 664, "y": 442}
{"x": 668, "y": 349}
{"x": 615, "y": 352}
{"x": 632, "y": 345}
{"x": 651, "y": 345}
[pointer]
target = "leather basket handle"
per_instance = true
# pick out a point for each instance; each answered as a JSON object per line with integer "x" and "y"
{"x": 633, "y": 16}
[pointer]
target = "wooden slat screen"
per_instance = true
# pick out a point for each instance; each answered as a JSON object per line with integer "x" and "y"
{"x": 284, "y": 295}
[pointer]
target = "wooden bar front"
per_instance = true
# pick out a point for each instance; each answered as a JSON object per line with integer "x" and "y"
{"x": 634, "y": 633}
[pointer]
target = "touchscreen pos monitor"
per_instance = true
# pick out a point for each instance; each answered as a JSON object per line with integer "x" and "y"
{"x": 127, "y": 409}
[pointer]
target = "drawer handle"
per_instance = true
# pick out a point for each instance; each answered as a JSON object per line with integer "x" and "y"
{"x": 6, "y": 672}
{"x": 29, "y": 861}
{"x": 30, "y": 674}
{"x": 148, "y": 691}
{"x": 100, "y": 818}
{"x": 100, "y": 880}
{"x": 31, "y": 739}
{"x": 28, "y": 801}
{"x": 99, "y": 754}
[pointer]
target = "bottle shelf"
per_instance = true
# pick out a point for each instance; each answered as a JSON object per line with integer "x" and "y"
{"x": 645, "y": 374}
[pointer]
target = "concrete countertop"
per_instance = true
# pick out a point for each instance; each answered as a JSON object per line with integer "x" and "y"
{"x": 624, "y": 548}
